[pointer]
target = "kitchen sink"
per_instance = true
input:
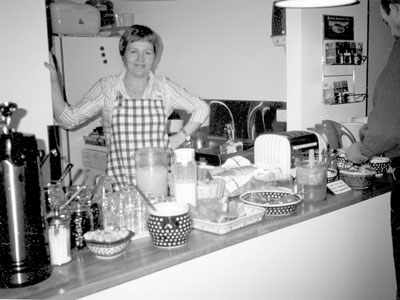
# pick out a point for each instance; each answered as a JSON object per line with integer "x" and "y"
{"x": 208, "y": 144}
{"x": 209, "y": 150}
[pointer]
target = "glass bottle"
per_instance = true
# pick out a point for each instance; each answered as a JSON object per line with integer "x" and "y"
{"x": 184, "y": 172}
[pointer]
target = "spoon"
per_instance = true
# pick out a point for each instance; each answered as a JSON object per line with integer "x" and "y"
{"x": 85, "y": 177}
{"x": 96, "y": 187}
{"x": 147, "y": 200}
{"x": 74, "y": 195}
{"x": 66, "y": 171}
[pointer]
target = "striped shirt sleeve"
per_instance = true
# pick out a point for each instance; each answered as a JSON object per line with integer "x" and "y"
{"x": 90, "y": 105}
{"x": 178, "y": 98}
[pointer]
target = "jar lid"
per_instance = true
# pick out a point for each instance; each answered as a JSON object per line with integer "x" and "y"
{"x": 59, "y": 220}
{"x": 184, "y": 155}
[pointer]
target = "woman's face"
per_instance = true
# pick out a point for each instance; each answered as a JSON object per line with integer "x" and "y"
{"x": 139, "y": 58}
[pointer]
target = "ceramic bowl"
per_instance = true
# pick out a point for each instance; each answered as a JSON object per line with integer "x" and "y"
{"x": 170, "y": 225}
{"x": 380, "y": 164}
{"x": 107, "y": 249}
{"x": 275, "y": 202}
{"x": 331, "y": 176}
{"x": 342, "y": 162}
{"x": 358, "y": 178}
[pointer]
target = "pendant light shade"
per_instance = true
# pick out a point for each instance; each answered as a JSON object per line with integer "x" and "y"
{"x": 313, "y": 3}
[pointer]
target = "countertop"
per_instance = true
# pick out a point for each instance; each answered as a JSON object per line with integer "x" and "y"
{"x": 87, "y": 274}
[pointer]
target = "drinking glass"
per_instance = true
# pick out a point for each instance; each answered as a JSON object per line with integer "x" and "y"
{"x": 311, "y": 179}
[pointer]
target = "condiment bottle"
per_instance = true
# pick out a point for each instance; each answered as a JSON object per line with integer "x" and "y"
{"x": 80, "y": 224}
{"x": 184, "y": 172}
{"x": 59, "y": 240}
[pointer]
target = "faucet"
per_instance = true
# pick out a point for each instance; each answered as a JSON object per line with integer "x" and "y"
{"x": 230, "y": 127}
{"x": 262, "y": 107}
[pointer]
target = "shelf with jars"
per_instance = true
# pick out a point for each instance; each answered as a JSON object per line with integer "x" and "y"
{"x": 343, "y": 66}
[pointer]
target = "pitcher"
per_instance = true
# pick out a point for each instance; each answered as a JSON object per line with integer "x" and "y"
{"x": 151, "y": 166}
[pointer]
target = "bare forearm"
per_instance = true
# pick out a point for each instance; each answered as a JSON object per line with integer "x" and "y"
{"x": 58, "y": 99}
{"x": 56, "y": 91}
{"x": 178, "y": 139}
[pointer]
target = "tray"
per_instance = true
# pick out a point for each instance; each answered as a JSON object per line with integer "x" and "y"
{"x": 253, "y": 215}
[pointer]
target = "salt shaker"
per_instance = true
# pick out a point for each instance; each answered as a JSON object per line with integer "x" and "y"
{"x": 184, "y": 172}
{"x": 59, "y": 240}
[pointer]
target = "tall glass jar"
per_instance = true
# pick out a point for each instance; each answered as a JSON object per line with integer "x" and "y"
{"x": 151, "y": 166}
{"x": 184, "y": 172}
{"x": 59, "y": 240}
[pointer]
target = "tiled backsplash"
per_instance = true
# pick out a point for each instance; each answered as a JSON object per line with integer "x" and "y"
{"x": 219, "y": 116}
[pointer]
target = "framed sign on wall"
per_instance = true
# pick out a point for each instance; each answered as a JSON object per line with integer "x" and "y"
{"x": 338, "y": 28}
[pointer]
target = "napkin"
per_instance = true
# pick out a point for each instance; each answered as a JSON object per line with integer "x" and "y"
{"x": 235, "y": 180}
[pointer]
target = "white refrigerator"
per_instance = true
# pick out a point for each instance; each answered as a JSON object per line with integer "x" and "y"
{"x": 82, "y": 61}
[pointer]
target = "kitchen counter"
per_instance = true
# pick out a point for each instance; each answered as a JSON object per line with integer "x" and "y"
{"x": 87, "y": 275}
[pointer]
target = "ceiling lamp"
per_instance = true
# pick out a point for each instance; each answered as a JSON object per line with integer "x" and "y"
{"x": 313, "y": 3}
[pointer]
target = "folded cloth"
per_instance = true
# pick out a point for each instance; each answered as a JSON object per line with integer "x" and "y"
{"x": 236, "y": 161}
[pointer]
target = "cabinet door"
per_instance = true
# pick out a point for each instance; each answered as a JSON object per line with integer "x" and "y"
{"x": 87, "y": 59}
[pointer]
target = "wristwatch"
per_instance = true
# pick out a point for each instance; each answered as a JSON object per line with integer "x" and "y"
{"x": 187, "y": 135}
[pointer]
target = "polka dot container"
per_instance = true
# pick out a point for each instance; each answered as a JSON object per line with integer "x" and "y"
{"x": 380, "y": 165}
{"x": 170, "y": 225}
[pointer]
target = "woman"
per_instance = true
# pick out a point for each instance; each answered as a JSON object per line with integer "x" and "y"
{"x": 134, "y": 105}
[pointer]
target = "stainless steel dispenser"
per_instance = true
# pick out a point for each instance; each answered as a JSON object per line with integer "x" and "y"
{"x": 24, "y": 256}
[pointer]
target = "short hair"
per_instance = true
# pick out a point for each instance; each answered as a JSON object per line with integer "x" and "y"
{"x": 385, "y": 5}
{"x": 139, "y": 33}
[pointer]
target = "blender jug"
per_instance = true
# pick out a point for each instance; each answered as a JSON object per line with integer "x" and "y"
{"x": 24, "y": 257}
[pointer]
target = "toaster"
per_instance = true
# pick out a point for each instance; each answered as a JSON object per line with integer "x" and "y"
{"x": 284, "y": 149}
{"x": 71, "y": 18}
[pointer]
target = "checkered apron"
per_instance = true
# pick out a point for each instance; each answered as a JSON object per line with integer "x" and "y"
{"x": 136, "y": 124}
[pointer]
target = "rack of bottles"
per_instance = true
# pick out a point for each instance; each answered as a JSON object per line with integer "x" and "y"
{"x": 342, "y": 63}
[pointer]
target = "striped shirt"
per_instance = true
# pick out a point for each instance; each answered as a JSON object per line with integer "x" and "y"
{"x": 103, "y": 94}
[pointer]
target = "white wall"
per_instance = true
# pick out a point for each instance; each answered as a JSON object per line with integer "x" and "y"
{"x": 304, "y": 73}
{"x": 217, "y": 49}
{"x": 23, "y": 78}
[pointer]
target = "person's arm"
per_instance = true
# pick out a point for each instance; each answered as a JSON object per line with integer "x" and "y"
{"x": 180, "y": 137}
{"x": 198, "y": 109}
{"x": 56, "y": 91}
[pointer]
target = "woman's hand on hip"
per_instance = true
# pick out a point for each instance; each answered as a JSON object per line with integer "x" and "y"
{"x": 177, "y": 139}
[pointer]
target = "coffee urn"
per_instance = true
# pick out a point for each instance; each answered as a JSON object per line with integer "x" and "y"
{"x": 24, "y": 255}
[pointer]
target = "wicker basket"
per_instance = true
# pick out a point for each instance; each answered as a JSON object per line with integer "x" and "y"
{"x": 252, "y": 215}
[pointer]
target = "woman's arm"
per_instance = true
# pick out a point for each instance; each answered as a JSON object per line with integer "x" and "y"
{"x": 179, "y": 138}
{"x": 198, "y": 109}
{"x": 56, "y": 91}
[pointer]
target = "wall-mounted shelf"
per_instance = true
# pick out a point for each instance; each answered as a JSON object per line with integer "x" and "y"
{"x": 341, "y": 69}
